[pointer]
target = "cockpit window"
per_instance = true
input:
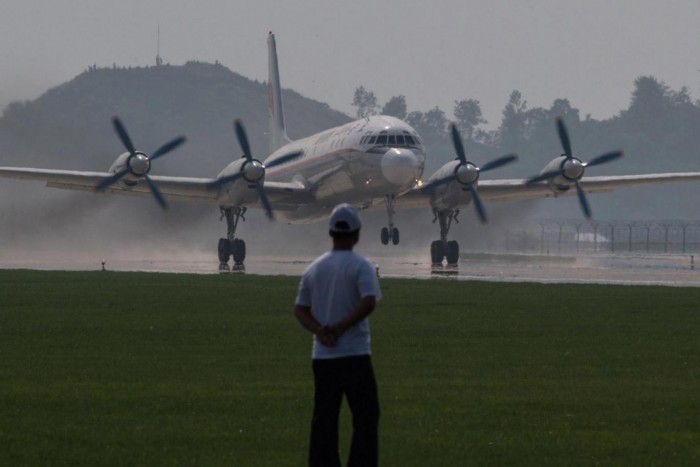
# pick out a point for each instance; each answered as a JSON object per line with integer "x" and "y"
{"x": 395, "y": 139}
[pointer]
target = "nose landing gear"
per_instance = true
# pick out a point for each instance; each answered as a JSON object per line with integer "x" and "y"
{"x": 392, "y": 235}
{"x": 390, "y": 232}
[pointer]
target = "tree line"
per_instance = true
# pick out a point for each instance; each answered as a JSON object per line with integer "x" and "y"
{"x": 660, "y": 124}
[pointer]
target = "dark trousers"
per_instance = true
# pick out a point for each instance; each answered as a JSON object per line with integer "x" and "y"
{"x": 354, "y": 378}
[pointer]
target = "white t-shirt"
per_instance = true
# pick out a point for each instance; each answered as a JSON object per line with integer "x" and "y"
{"x": 332, "y": 286}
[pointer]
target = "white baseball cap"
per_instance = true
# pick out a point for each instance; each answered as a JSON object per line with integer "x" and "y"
{"x": 344, "y": 218}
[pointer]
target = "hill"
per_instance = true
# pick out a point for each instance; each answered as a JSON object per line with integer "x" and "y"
{"x": 69, "y": 127}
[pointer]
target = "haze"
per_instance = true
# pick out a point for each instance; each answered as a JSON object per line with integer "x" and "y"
{"x": 432, "y": 52}
{"x": 589, "y": 52}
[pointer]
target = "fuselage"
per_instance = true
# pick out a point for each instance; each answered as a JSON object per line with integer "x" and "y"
{"x": 358, "y": 163}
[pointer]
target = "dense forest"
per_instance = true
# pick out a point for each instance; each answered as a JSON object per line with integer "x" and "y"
{"x": 69, "y": 127}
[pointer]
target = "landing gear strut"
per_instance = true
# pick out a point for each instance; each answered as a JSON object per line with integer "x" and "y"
{"x": 390, "y": 232}
{"x": 443, "y": 249}
{"x": 232, "y": 246}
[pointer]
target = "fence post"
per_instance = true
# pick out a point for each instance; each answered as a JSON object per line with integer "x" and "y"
{"x": 666, "y": 227}
{"x": 542, "y": 238}
{"x": 629, "y": 236}
{"x": 561, "y": 226}
{"x": 612, "y": 237}
{"x": 595, "y": 237}
{"x": 648, "y": 227}
{"x": 578, "y": 235}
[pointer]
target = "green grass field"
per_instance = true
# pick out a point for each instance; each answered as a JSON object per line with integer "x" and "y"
{"x": 176, "y": 369}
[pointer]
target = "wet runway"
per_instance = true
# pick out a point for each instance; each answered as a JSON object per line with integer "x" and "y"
{"x": 637, "y": 269}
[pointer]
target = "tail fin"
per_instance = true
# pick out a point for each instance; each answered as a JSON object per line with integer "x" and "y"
{"x": 278, "y": 129}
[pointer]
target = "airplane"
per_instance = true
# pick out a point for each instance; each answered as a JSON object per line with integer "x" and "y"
{"x": 373, "y": 163}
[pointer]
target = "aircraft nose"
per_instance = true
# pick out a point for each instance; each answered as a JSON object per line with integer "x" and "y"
{"x": 401, "y": 166}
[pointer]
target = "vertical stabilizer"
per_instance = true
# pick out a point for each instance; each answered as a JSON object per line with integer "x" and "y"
{"x": 278, "y": 130}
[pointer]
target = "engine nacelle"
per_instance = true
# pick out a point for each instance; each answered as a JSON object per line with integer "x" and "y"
{"x": 570, "y": 170}
{"x": 252, "y": 171}
{"x": 243, "y": 189}
{"x": 464, "y": 174}
{"x": 138, "y": 164}
{"x": 443, "y": 172}
{"x": 456, "y": 192}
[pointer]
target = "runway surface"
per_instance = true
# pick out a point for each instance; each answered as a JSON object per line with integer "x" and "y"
{"x": 637, "y": 269}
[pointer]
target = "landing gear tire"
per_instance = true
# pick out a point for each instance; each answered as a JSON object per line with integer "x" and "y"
{"x": 238, "y": 252}
{"x": 228, "y": 248}
{"x": 452, "y": 253}
{"x": 224, "y": 253}
{"x": 395, "y": 236}
{"x": 437, "y": 253}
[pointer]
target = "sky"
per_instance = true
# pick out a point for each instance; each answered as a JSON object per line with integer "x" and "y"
{"x": 589, "y": 51}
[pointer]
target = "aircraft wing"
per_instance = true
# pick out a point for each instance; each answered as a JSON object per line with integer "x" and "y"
{"x": 517, "y": 189}
{"x": 180, "y": 188}
{"x": 287, "y": 195}
{"x": 495, "y": 190}
{"x": 171, "y": 187}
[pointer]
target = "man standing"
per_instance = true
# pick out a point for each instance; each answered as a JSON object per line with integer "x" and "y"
{"x": 336, "y": 294}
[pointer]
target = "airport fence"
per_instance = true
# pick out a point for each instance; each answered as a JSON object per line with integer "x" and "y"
{"x": 567, "y": 237}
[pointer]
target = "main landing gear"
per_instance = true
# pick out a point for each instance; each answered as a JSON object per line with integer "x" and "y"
{"x": 443, "y": 249}
{"x": 232, "y": 246}
{"x": 390, "y": 232}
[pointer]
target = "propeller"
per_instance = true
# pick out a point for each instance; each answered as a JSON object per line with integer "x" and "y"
{"x": 138, "y": 163}
{"x": 467, "y": 173}
{"x": 572, "y": 168}
{"x": 253, "y": 170}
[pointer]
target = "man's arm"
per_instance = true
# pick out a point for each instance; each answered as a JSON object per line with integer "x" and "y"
{"x": 366, "y": 307}
{"x": 307, "y": 320}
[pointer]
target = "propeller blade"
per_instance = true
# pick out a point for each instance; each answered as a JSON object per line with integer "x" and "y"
{"x": 543, "y": 176}
{"x": 167, "y": 147}
{"x": 604, "y": 158}
{"x": 283, "y": 159}
{"x": 498, "y": 162}
{"x": 457, "y": 142}
{"x": 564, "y": 137}
{"x": 220, "y": 181}
{"x": 439, "y": 181}
{"x": 265, "y": 202}
{"x": 123, "y": 135}
{"x": 107, "y": 181}
{"x": 480, "y": 211}
{"x": 156, "y": 192}
{"x": 583, "y": 201}
{"x": 243, "y": 139}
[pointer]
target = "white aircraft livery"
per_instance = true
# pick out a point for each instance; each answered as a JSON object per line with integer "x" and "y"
{"x": 376, "y": 163}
